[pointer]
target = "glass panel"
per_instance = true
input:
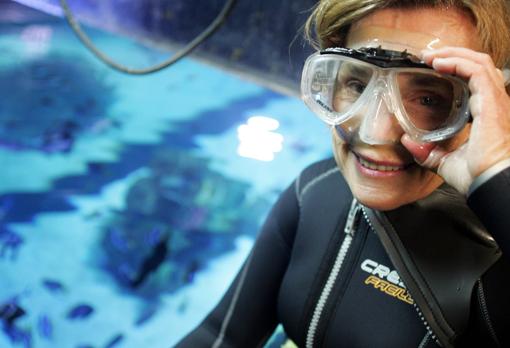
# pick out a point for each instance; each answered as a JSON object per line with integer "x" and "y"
{"x": 127, "y": 203}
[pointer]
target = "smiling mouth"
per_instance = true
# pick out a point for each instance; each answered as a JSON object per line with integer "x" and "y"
{"x": 378, "y": 166}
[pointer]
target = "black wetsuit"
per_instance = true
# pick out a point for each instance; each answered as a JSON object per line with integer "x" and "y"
{"x": 365, "y": 304}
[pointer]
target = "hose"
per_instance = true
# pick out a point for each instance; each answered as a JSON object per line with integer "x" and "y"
{"x": 215, "y": 25}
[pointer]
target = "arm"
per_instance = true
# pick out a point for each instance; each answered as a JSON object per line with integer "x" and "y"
{"x": 491, "y": 202}
{"x": 247, "y": 314}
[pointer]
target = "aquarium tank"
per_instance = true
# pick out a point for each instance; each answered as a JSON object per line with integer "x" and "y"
{"x": 128, "y": 202}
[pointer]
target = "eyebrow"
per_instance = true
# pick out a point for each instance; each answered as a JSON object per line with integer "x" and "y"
{"x": 354, "y": 70}
{"x": 429, "y": 80}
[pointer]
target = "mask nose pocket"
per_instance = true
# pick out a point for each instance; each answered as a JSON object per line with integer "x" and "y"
{"x": 379, "y": 125}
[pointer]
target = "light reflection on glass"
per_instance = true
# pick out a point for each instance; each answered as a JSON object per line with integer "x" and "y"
{"x": 42, "y": 5}
{"x": 37, "y": 39}
{"x": 257, "y": 139}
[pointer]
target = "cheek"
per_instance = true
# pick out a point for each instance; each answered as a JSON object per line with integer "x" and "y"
{"x": 340, "y": 151}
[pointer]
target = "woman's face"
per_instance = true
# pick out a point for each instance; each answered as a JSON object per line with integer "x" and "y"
{"x": 385, "y": 176}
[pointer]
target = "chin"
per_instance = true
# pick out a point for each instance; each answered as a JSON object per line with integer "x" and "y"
{"x": 388, "y": 197}
{"x": 379, "y": 200}
{"x": 390, "y": 193}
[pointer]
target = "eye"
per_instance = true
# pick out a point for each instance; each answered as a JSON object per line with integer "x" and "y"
{"x": 429, "y": 100}
{"x": 356, "y": 86}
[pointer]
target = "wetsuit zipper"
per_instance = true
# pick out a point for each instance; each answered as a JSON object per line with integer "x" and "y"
{"x": 349, "y": 230}
{"x": 485, "y": 312}
{"x": 420, "y": 314}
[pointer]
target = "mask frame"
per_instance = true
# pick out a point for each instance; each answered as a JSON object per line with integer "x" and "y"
{"x": 386, "y": 63}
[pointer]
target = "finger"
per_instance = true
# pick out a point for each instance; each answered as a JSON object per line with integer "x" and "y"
{"x": 454, "y": 170}
{"x": 479, "y": 78}
{"x": 480, "y": 58}
{"x": 475, "y": 105}
{"x": 461, "y": 52}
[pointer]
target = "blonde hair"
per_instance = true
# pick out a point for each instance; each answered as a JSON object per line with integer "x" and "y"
{"x": 329, "y": 23}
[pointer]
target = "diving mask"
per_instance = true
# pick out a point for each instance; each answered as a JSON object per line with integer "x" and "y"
{"x": 362, "y": 91}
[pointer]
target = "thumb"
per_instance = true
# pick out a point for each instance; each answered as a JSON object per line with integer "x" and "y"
{"x": 427, "y": 155}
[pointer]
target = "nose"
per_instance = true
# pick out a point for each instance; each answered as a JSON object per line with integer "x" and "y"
{"x": 379, "y": 125}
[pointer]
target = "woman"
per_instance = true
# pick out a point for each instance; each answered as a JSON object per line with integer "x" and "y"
{"x": 396, "y": 248}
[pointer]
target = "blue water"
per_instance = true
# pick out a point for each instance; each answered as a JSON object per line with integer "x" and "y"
{"x": 100, "y": 168}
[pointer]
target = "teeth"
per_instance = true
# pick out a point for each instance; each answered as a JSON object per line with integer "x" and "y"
{"x": 373, "y": 166}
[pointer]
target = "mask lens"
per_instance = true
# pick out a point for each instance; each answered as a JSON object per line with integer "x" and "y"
{"x": 351, "y": 81}
{"x": 332, "y": 84}
{"x": 430, "y": 101}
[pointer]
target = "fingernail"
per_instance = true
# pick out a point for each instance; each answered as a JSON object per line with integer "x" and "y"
{"x": 407, "y": 137}
{"x": 438, "y": 61}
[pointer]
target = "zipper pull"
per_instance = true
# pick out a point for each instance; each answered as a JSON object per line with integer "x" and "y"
{"x": 352, "y": 218}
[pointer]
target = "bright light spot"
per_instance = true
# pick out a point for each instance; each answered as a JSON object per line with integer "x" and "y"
{"x": 257, "y": 139}
{"x": 263, "y": 122}
{"x": 37, "y": 39}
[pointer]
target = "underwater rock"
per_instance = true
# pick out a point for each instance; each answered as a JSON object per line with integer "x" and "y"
{"x": 131, "y": 254}
{"x": 142, "y": 197}
{"x": 152, "y": 262}
{"x": 177, "y": 218}
{"x": 57, "y": 98}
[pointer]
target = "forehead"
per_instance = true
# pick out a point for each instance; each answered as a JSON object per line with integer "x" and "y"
{"x": 415, "y": 29}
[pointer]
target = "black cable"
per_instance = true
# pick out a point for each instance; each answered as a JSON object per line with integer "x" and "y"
{"x": 215, "y": 25}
